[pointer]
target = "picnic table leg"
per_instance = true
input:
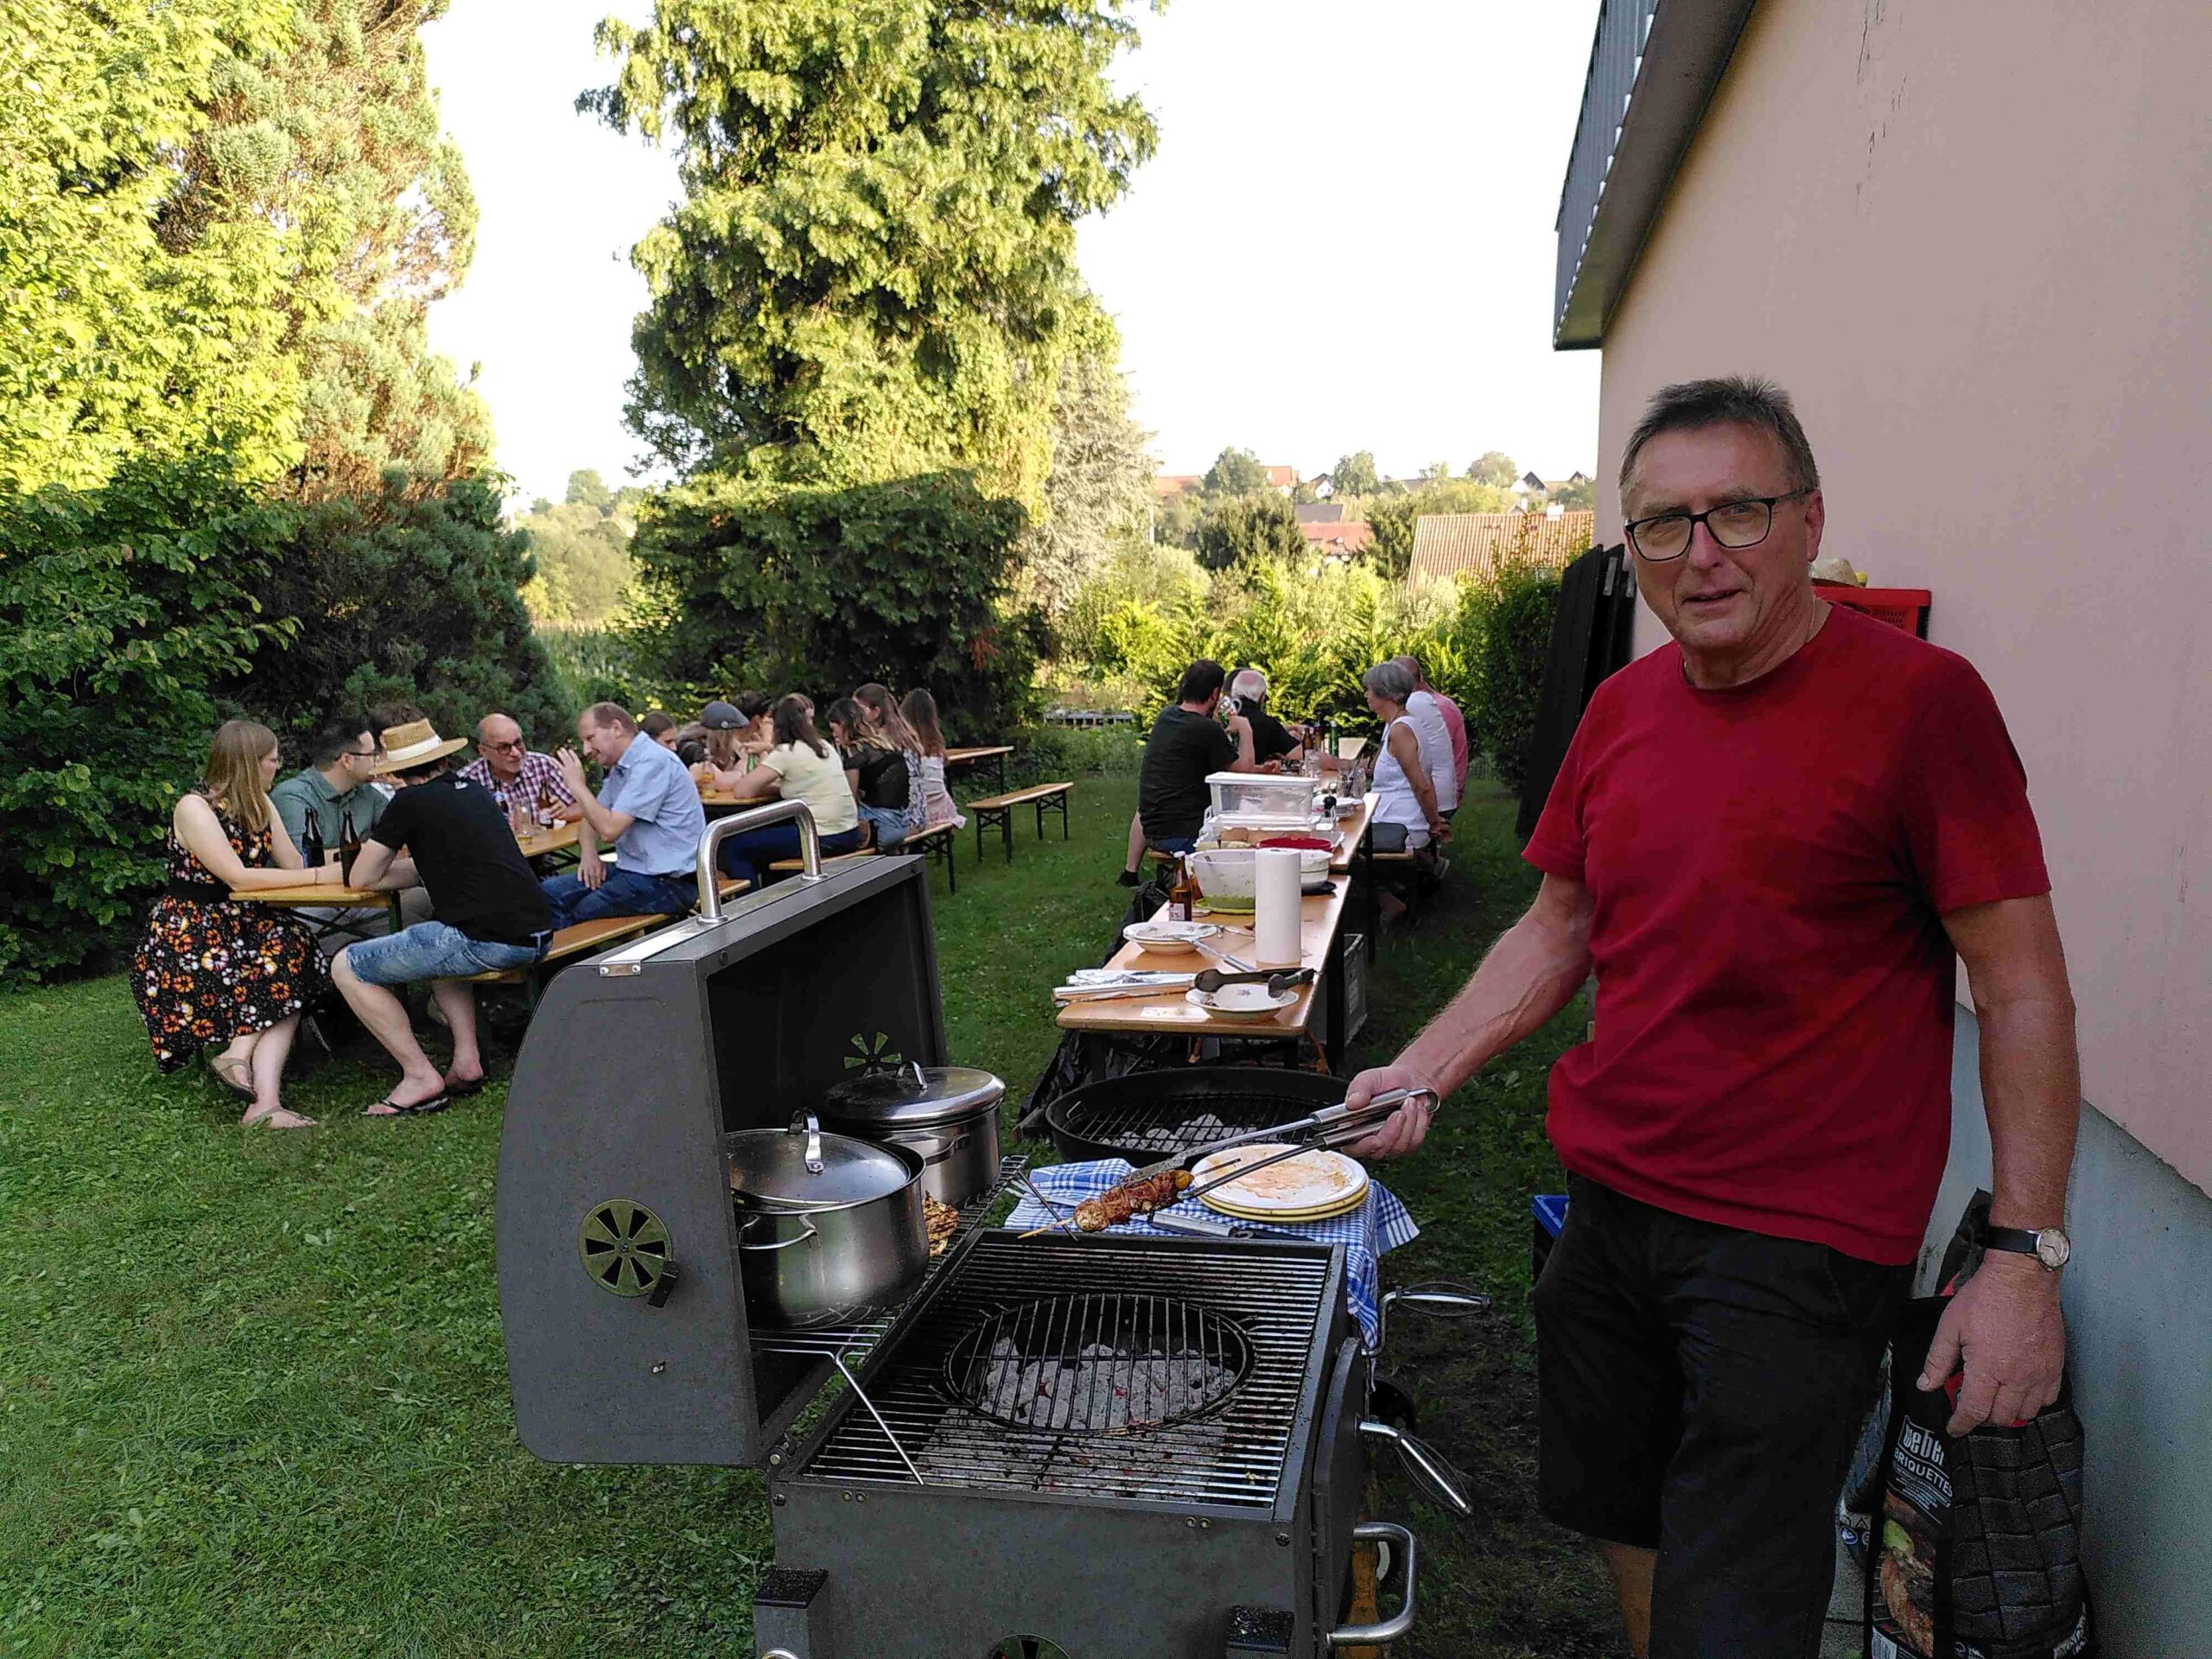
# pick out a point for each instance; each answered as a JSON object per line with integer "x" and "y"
{"x": 391, "y": 905}
{"x": 1363, "y": 859}
{"x": 1002, "y": 759}
{"x": 1332, "y": 1000}
{"x": 1006, "y": 831}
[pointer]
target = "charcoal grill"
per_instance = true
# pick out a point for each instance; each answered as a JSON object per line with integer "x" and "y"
{"x": 1152, "y": 1115}
{"x": 1117, "y": 1446}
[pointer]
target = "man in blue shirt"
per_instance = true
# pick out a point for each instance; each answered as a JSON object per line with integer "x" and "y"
{"x": 648, "y": 807}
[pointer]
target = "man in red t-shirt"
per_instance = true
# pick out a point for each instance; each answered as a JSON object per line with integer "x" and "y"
{"x": 1768, "y": 842}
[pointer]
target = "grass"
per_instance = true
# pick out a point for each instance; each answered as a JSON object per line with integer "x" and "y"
{"x": 253, "y": 1392}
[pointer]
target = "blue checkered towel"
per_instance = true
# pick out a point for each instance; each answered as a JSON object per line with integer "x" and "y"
{"x": 1379, "y": 1225}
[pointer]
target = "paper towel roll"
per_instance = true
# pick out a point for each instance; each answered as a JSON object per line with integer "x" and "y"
{"x": 1276, "y": 908}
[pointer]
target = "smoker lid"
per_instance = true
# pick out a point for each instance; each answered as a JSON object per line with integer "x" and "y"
{"x": 767, "y": 1170}
{"x": 912, "y": 1097}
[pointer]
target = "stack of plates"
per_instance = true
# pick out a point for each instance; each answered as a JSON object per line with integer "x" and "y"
{"x": 1313, "y": 1186}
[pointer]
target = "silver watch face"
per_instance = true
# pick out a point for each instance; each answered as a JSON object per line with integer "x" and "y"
{"x": 2053, "y": 1249}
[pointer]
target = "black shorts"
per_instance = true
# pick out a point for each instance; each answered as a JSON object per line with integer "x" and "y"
{"x": 1700, "y": 1388}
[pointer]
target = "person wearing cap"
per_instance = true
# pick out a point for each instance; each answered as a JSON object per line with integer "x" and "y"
{"x": 516, "y": 774}
{"x": 727, "y": 726}
{"x": 489, "y": 916}
{"x": 648, "y": 807}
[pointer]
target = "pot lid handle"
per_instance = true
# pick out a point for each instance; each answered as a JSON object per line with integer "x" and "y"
{"x": 915, "y": 1066}
{"x": 812, "y": 1125}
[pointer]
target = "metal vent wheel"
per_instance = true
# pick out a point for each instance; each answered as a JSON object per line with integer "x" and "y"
{"x": 624, "y": 1248}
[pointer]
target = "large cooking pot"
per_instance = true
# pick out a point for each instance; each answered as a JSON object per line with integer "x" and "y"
{"x": 827, "y": 1224}
{"x": 947, "y": 1114}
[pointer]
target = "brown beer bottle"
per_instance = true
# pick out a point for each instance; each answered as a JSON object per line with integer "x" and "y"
{"x": 545, "y": 808}
{"x": 349, "y": 845}
{"x": 1183, "y": 895}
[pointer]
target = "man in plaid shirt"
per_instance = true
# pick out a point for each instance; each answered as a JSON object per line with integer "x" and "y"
{"x": 514, "y": 772}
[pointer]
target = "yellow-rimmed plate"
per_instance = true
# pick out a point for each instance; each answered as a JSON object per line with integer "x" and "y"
{"x": 1315, "y": 1184}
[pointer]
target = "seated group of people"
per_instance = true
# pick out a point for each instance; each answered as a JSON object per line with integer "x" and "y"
{"x": 1419, "y": 768}
{"x": 219, "y": 975}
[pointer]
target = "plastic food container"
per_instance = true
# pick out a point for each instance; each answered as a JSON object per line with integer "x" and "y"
{"x": 1283, "y": 800}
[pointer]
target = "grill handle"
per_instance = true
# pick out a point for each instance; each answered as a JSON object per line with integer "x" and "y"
{"x": 1443, "y": 1298}
{"x": 1425, "y": 1465}
{"x": 758, "y": 818}
{"x": 1387, "y": 1630}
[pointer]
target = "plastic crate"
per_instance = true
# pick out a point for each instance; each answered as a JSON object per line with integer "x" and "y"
{"x": 1901, "y": 608}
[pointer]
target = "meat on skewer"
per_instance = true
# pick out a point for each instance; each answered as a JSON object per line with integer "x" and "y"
{"x": 1139, "y": 1196}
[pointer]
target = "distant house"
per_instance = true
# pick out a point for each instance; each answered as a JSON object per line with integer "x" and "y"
{"x": 1168, "y": 485}
{"x": 1449, "y": 545}
{"x": 1528, "y": 484}
{"x": 1283, "y": 480}
{"x": 1337, "y": 539}
{"x": 1320, "y": 512}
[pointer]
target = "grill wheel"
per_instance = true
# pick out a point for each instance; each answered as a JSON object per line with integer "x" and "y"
{"x": 623, "y": 1246}
{"x": 1026, "y": 1647}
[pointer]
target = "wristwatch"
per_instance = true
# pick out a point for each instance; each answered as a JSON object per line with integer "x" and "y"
{"x": 2049, "y": 1245}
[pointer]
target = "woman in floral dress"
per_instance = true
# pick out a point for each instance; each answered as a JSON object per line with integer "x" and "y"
{"x": 215, "y": 973}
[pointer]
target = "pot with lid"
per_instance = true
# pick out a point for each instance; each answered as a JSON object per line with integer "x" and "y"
{"x": 948, "y": 1114}
{"x": 827, "y": 1224}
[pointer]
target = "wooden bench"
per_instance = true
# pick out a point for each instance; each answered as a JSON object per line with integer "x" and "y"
{"x": 936, "y": 843}
{"x": 577, "y": 939}
{"x": 997, "y": 812}
{"x": 1413, "y": 876}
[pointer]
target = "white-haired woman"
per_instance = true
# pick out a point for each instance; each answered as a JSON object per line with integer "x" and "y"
{"x": 1405, "y": 788}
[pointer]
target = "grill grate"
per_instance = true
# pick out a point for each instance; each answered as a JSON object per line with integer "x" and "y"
{"x": 1109, "y": 1365}
{"x": 1183, "y": 1123}
{"x": 1231, "y": 1453}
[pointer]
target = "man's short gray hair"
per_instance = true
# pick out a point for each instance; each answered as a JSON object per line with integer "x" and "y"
{"x": 1249, "y": 683}
{"x": 1389, "y": 682}
{"x": 1729, "y": 400}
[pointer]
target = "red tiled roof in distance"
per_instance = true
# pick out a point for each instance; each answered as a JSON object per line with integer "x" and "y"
{"x": 1448, "y": 545}
{"x": 1170, "y": 483}
{"x": 1347, "y": 538}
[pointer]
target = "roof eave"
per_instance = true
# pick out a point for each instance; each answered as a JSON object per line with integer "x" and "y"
{"x": 1685, "y": 55}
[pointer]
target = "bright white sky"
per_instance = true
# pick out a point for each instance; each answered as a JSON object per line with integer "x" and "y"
{"x": 1345, "y": 243}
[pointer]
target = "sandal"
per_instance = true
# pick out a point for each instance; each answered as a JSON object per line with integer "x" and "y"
{"x": 462, "y": 1090}
{"x": 225, "y": 1072}
{"x": 268, "y": 1120}
{"x": 418, "y": 1108}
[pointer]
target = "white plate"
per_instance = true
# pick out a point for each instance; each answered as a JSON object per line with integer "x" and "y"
{"x": 1248, "y": 1002}
{"x": 1171, "y": 937}
{"x": 1315, "y": 1179}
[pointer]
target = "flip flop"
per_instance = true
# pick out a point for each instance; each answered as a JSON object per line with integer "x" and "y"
{"x": 216, "y": 1070}
{"x": 264, "y": 1121}
{"x": 462, "y": 1090}
{"x": 419, "y": 1109}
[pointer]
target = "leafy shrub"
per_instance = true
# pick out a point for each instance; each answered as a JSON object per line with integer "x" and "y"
{"x": 407, "y": 596}
{"x": 1239, "y": 528}
{"x": 754, "y": 585}
{"x": 1505, "y": 628}
{"x": 120, "y": 608}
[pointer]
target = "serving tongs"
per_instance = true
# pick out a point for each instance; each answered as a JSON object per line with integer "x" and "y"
{"x": 1326, "y": 1125}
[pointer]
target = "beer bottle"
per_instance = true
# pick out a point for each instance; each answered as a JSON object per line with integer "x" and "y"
{"x": 349, "y": 845}
{"x": 311, "y": 849}
{"x": 1183, "y": 896}
{"x": 545, "y": 809}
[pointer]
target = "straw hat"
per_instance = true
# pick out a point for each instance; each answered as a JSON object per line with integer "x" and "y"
{"x": 415, "y": 744}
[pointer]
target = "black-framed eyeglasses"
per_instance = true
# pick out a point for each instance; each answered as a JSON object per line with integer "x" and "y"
{"x": 516, "y": 744}
{"x": 363, "y": 754}
{"x": 1733, "y": 524}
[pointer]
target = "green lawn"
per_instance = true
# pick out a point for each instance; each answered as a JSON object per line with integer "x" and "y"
{"x": 253, "y": 1399}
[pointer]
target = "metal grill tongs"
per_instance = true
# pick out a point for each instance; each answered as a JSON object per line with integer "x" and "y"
{"x": 1329, "y": 1126}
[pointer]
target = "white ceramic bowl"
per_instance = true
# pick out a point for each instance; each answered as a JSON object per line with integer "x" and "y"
{"x": 1246, "y": 1001}
{"x": 1165, "y": 938}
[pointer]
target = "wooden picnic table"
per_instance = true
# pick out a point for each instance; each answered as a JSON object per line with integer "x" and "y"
{"x": 969, "y": 757}
{"x": 310, "y": 896}
{"x": 1320, "y": 948}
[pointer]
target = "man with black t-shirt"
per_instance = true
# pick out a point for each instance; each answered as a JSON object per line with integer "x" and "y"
{"x": 491, "y": 916}
{"x": 1187, "y": 743}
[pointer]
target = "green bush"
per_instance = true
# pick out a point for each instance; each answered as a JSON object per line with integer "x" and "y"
{"x": 746, "y": 584}
{"x": 1505, "y": 630}
{"x": 120, "y": 609}
{"x": 404, "y": 597}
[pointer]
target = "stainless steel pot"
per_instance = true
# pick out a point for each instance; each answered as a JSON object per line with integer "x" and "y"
{"x": 827, "y": 1224}
{"x": 947, "y": 1114}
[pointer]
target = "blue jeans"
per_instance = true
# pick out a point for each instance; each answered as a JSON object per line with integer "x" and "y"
{"x": 1173, "y": 843}
{"x": 625, "y": 893}
{"x": 433, "y": 950}
{"x": 747, "y": 856}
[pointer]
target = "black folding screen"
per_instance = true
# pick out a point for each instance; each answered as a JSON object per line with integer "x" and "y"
{"x": 1590, "y": 639}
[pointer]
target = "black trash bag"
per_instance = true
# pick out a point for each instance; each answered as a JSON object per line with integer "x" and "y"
{"x": 1977, "y": 1538}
